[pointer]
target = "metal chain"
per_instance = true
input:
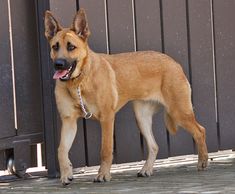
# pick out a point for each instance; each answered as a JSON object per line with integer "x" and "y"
{"x": 86, "y": 113}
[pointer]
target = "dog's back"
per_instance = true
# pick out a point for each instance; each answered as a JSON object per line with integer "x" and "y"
{"x": 145, "y": 74}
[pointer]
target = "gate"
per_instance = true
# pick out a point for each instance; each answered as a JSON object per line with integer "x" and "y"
{"x": 21, "y": 111}
{"x": 195, "y": 33}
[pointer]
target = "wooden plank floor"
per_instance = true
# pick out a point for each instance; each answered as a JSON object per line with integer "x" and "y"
{"x": 173, "y": 175}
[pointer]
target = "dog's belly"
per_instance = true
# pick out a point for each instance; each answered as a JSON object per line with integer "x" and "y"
{"x": 155, "y": 96}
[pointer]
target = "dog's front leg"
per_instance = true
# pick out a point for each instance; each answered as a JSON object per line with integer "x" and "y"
{"x": 106, "y": 150}
{"x": 68, "y": 132}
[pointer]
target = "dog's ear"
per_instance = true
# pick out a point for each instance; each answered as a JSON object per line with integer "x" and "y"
{"x": 51, "y": 25}
{"x": 80, "y": 25}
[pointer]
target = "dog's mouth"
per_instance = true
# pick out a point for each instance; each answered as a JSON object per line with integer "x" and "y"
{"x": 65, "y": 74}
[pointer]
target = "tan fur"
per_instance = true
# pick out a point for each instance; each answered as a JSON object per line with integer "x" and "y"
{"x": 107, "y": 83}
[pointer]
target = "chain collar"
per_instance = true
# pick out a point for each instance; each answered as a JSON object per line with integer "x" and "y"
{"x": 87, "y": 114}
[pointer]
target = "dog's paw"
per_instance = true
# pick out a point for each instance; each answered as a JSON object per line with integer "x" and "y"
{"x": 102, "y": 177}
{"x": 66, "y": 175}
{"x": 202, "y": 164}
{"x": 66, "y": 180}
{"x": 145, "y": 172}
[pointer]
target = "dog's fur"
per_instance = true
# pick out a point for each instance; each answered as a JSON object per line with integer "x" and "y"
{"x": 107, "y": 83}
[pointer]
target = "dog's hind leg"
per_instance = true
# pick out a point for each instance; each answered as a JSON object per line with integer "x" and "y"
{"x": 170, "y": 123}
{"x": 179, "y": 112}
{"x": 188, "y": 122}
{"x": 144, "y": 111}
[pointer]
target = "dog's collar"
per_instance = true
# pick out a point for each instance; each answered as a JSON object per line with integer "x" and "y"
{"x": 87, "y": 114}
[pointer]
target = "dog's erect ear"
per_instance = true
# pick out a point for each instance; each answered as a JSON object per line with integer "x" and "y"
{"x": 80, "y": 25}
{"x": 51, "y": 25}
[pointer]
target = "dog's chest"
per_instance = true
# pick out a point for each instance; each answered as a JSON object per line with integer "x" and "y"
{"x": 84, "y": 103}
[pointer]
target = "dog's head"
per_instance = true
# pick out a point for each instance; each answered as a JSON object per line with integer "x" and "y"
{"x": 68, "y": 45}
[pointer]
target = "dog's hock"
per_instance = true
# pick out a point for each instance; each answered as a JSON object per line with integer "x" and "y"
{"x": 80, "y": 25}
{"x": 51, "y": 25}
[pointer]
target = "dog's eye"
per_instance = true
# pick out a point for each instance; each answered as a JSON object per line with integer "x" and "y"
{"x": 56, "y": 47}
{"x": 70, "y": 47}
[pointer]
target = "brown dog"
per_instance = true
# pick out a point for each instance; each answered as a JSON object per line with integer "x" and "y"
{"x": 98, "y": 85}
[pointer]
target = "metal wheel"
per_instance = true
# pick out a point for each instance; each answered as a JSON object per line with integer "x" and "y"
{"x": 11, "y": 169}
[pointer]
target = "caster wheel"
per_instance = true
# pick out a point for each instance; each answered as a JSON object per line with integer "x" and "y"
{"x": 10, "y": 166}
{"x": 11, "y": 169}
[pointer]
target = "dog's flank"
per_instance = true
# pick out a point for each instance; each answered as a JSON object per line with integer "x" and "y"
{"x": 107, "y": 83}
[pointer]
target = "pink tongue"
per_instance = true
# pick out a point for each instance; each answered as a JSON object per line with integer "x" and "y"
{"x": 60, "y": 73}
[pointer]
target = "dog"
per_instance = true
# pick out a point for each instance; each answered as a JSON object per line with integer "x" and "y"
{"x": 95, "y": 85}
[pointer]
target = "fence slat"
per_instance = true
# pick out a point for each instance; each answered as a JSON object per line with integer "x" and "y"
{"x": 49, "y": 109}
{"x": 64, "y": 11}
{"x": 175, "y": 44}
{"x": 151, "y": 40}
{"x": 121, "y": 36}
{"x": 27, "y": 69}
{"x": 225, "y": 47}
{"x": 148, "y": 25}
{"x": 93, "y": 135}
{"x": 77, "y": 152}
{"x": 95, "y": 11}
{"x": 202, "y": 71}
{"x": 7, "y": 127}
{"x": 120, "y": 26}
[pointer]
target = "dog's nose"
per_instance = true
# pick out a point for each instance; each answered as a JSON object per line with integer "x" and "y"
{"x": 60, "y": 64}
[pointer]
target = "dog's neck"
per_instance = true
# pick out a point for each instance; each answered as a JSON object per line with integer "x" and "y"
{"x": 80, "y": 83}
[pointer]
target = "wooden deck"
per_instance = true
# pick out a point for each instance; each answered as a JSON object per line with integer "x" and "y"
{"x": 173, "y": 175}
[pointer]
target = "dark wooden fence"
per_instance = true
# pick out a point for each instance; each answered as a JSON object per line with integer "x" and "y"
{"x": 198, "y": 34}
{"x": 21, "y": 110}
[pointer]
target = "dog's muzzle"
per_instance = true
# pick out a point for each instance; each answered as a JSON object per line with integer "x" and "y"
{"x": 64, "y": 69}
{"x": 61, "y": 64}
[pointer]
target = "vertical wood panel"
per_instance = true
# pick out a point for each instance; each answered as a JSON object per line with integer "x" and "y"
{"x": 33, "y": 156}
{"x": 148, "y": 31}
{"x": 225, "y": 59}
{"x": 95, "y": 11}
{"x": 160, "y": 134}
{"x": 3, "y": 159}
{"x": 49, "y": 109}
{"x": 64, "y": 11}
{"x": 175, "y": 31}
{"x": 93, "y": 135}
{"x": 7, "y": 127}
{"x": 120, "y": 26}
{"x": 77, "y": 152}
{"x": 202, "y": 70}
{"x": 121, "y": 35}
{"x": 175, "y": 43}
{"x": 27, "y": 70}
{"x": 148, "y": 25}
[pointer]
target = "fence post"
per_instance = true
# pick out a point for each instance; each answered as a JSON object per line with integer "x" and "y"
{"x": 49, "y": 108}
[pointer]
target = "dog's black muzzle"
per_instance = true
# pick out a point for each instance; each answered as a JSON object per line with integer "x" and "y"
{"x": 61, "y": 64}
{"x": 64, "y": 69}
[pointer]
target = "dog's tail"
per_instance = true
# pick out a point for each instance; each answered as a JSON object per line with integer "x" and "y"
{"x": 170, "y": 124}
